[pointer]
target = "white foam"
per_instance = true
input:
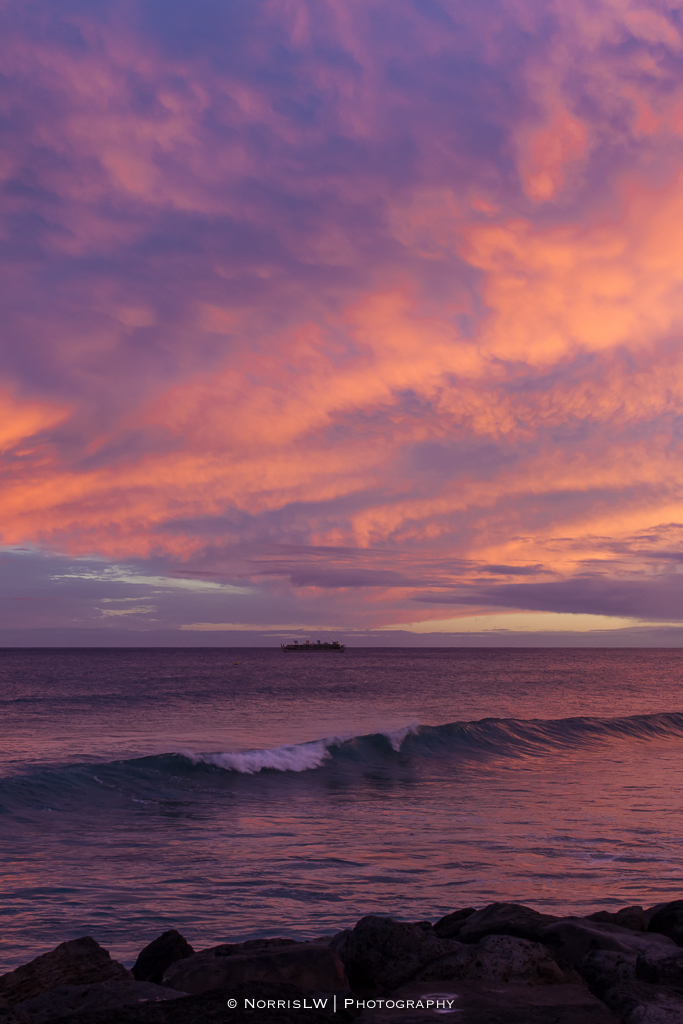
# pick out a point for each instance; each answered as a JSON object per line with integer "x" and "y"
{"x": 397, "y": 736}
{"x": 300, "y": 757}
{"x": 297, "y": 757}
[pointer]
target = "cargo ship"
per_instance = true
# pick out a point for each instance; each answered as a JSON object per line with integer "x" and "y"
{"x": 318, "y": 646}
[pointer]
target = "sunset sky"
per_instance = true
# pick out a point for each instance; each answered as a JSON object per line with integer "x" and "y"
{"x": 342, "y": 318}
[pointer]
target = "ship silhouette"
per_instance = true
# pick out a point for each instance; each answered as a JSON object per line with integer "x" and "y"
{"x": 332, "y": 645}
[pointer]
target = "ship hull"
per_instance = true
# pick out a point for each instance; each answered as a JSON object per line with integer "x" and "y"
{"x": 295, "y": 648}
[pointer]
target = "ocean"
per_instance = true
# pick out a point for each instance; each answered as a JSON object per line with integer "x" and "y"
{"x": 243, "y": 793}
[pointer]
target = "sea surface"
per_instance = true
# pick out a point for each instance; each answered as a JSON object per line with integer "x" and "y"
{"x": 241, "y": 793}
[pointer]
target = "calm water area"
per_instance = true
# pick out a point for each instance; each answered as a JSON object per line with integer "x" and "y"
{"x": 240, "y": 793}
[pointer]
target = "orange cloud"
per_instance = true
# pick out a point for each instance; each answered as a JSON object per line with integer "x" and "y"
{"x": 575, "y": 288}
{"x": 549, "y": 151}
{"x": 21, "y": 421}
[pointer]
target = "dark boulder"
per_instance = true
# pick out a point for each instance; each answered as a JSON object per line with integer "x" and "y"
{"x": 255, "y": 946}
{"x": 449, "y": 926}
{"x": 504, "y": 919}
{"x": 668, "y": 920}
{"x": 160, "y": 954}
{"x": 12, "y": 1015}
{"x": 104, "y": 995}
{"x": 307, "y": 965}
{"x": 631, "y": 917}
{"x": 640, "y": 1003}
{"x": 77, "y": 962}
{"x": 602, "y": 969}
{"x": 651, "y": 911}
{"x": 380, "y": 954}
{"x": 570, "y": 939}
{"x": 481, "y": 1002}
{"x": 660, "y": 969}
{"x": 499, "y": 959}
{"x": 628, "y": 917}
{"x": 213, "y": 1008}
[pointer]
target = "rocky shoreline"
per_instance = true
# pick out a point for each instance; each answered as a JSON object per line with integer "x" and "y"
{"x": 502, "y": 964}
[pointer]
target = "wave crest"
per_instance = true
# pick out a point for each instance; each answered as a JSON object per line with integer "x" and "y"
{"x": 297, "y": 757}
{"x": 500, "y": 737}
{"x": 159, "y": 778}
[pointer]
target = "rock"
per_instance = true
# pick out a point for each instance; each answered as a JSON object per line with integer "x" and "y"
{"x": 103, "y": 995}
{"x": 380, "y": 954}
{"x": 258, "y": 945}
{"x": 310, "y": 967}
{"x": 212, "y": 1008}
{"x": 602, "y": 969}
{"x": 449, "y": 926}
{"x": 77, "y": 962}
{"x": 160, "y": 954}
{"x": 658, "y": 969}
{"x": 668, "y": 920}
{"x": 504, "y": 919}
{"x": 640, "y": 1003}
{"x": 486, "y": 1003}
{"x": 629, "y": 917}
{"x": 497, "y": 958}
{"x": 651, "y": 911}
{"x": 570, "y": 939}
{"x": 12, "y": 1015}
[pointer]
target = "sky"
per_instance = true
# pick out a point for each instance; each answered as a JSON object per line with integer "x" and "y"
{"x": 347, "y": 319}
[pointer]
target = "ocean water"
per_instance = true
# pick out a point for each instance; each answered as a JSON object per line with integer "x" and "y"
{"x": 235, "y": 794}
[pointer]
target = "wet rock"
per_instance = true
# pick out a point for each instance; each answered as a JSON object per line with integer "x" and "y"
{"x": 660, "y": 969}
{"x": 497, "y": 958}
{"x": 628, "y": 917}
{"x": 492, "y": 1003}
{"x": 310, "y": 967}
{"x": 160, "y": 954}
{"x": 570, "y": 939}
{"x": 602, "y": 969}
{"x": 104, "y": 995}
{"x": 668, "y": 920}
{"x": 449, "y": 926}
{"x": 380, "y": 954}
{"x": 640, "y": 1003}
{"x": 77, "y": 962}
{"x": 504, "y": 919}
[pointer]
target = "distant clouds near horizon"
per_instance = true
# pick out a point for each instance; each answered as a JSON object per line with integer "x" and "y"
{"x": 362, "y": 315}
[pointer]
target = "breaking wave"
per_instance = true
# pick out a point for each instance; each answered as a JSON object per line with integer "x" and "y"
{"x": 503, "y": 737}
{"x": 301, "y": 757}
{"x": 177, "y": 778}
